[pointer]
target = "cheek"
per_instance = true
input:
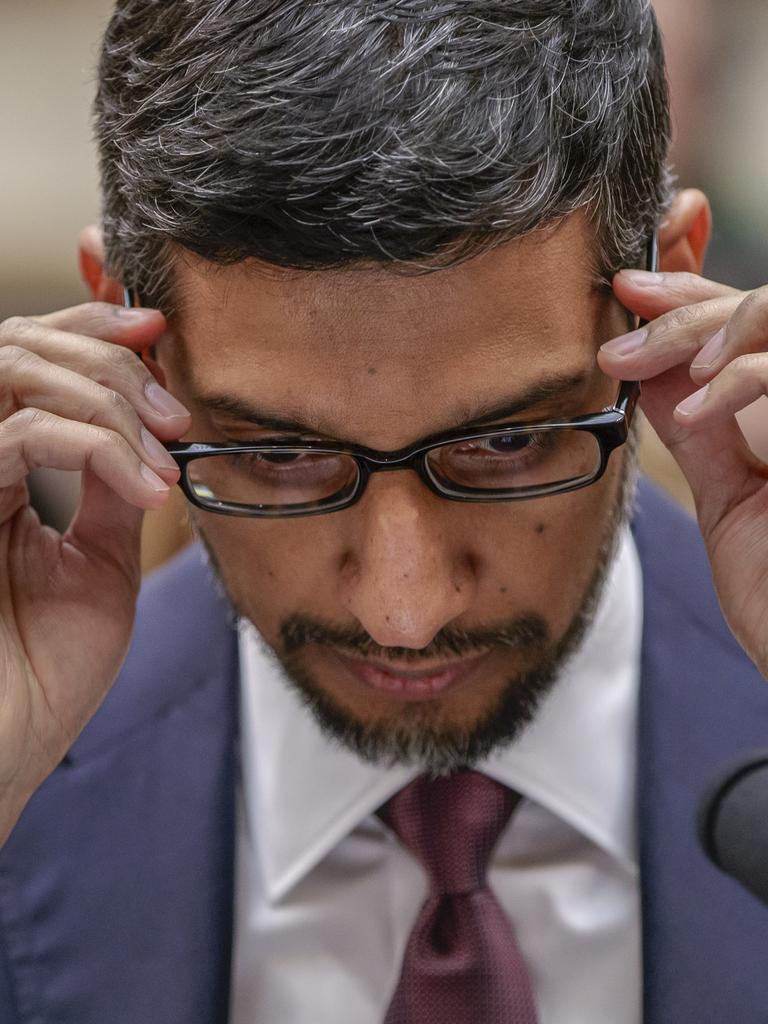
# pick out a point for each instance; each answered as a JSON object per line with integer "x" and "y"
{"x": 546, "y": 559}
{"x": 531, "y": 557}
{"x": 271, "y": 569}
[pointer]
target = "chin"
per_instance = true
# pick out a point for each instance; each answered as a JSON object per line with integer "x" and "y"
{"x": 438, "y": 734}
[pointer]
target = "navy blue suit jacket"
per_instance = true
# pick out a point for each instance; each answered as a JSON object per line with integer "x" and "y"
{"x": 116, "y": 886}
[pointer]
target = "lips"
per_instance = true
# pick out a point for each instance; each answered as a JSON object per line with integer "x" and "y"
{"x": 409, "y": 684}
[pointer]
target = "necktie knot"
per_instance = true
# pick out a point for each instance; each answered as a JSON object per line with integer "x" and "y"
{"x": 462, "y": 963}
{"x": 451, "y": 825}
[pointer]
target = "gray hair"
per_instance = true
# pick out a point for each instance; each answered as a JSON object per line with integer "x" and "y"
{"x": 414, "y": 133}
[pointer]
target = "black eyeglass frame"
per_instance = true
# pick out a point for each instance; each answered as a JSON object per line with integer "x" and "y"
{"x": 610, "y": 428}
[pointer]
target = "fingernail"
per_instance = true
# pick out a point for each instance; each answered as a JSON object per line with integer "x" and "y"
{"x": 153, "y": 479}
{"x": 135, "y": 314}
{"x": 694, "y": 403}
{"x": 156, "y": 451}
{"x": 708, "y": 355}
{"x": 644, "y": 278}
{"x": 627, "y": 343}
{"x": 162, "y": 401}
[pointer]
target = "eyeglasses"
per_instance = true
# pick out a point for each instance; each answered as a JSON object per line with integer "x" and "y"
{"x": 280, "y": 477}
{"x": 509, "y": 462}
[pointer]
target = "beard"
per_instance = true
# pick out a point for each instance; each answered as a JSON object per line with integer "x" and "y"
{"x": 417, "y": 736}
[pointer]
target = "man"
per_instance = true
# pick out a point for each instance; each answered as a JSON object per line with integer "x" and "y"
{"x": 446, "y": 766}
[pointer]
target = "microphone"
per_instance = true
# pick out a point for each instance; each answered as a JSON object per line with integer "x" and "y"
{"x": 733, "y": 823}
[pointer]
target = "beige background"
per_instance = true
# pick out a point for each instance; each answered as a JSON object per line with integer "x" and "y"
{"x": 48, "y": 52}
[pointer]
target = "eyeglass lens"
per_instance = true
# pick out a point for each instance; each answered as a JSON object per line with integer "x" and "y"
{"x": 502, "y": 463}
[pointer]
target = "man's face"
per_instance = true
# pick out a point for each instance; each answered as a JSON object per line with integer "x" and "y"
{"x": 416, "y": 627}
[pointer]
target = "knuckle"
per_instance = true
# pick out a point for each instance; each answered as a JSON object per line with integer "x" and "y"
{"x": 27, "y": 420}
{"x": 109, "y": 441}
{"x": 119, "y": 368}
{"x": 120, "y": 357}
{"x": 125, "y": 367}
{"x": 754, "y": 299}
{"x": 754, "y": 308}
{"x": 117, "y": 402}
{"x": 10, "y": 356}
{"x": 100, "y": 320}
{"x": 14, "y": 327}
{"x": 749, "y": 365}
{"x": 685, "y": 318}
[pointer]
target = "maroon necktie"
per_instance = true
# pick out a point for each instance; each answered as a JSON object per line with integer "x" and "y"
{"x": 462, "y": 964}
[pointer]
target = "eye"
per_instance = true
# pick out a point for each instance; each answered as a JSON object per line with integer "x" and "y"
{"x": 508, "y": 444}
{"x": 505, "y": 444}
{"x": 278, "y": 458}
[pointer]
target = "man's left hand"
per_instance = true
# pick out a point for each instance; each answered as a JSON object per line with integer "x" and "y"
{"x": 702, "y": 359}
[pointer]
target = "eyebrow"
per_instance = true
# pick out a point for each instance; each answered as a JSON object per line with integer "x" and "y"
{"x": 556, "y": 386}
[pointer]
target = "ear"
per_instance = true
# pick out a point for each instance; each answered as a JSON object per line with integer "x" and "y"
{"x": 685, "y": 234}
{"x": 91, "y": 255}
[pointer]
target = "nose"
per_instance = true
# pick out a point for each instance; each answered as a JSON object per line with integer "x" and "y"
{"x": 407, "y": 572}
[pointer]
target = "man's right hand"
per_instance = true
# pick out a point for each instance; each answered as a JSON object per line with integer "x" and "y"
{"x": 73, "y": 396}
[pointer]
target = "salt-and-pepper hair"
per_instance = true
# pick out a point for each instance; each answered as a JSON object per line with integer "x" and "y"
{"x": 410, "y": 133}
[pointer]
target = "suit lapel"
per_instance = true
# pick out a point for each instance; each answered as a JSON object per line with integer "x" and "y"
{"x": 116, "y": 886}
{"x": 705, "y": 938}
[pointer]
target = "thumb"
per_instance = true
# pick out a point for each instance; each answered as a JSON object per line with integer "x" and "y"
{"x": 109, "y": 527}
{"x": 717, "y": 463}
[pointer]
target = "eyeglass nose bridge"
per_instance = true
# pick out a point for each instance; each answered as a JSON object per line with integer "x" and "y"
{"x": 391, "y": 463}
{"x": 416, "y": 461}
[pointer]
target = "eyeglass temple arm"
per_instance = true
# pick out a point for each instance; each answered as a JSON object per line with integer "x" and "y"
{"x": 652, "y": 265}
{"x": 652, "y": 260}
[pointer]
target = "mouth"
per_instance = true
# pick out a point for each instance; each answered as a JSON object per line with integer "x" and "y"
{"x": 406, "y": 683}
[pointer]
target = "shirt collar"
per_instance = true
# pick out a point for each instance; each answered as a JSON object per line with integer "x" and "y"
{"x": 576, "y": 759}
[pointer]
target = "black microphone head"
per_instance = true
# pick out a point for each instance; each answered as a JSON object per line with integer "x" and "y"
{"x": 733, "y": 823}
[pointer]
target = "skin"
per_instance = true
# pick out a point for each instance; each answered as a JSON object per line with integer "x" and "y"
{"x": 702, "y": 360}
{"x": 402, "y": 564}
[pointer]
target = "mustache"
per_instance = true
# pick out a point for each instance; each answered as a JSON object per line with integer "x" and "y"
{"x": 530, "y": 632}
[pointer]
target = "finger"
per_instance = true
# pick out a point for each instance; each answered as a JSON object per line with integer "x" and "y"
{"x": 738, "y": 385}
{"x": 107, "y": 524}
{"x": 745, "y": 332}
{"x": 135, "y": 328}
{"x": 32, "y": 438}
{"x": 674, "y": 338}
{"x": 12, "y": 500}
{"x": 650, "y": 295}
{"x": 110, "y": 365}
{"x": 717, "y": 463}
{"x": 32, "y": 382}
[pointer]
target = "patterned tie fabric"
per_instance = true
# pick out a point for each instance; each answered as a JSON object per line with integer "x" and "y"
{"x": 462, "y": 964}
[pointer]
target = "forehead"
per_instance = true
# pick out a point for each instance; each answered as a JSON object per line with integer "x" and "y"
{"x": 369, "y": 340}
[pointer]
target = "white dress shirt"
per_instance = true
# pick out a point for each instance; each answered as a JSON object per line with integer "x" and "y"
{"x": 326, "y": 896}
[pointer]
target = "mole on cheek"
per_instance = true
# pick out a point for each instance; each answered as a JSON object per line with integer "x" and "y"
{"x": 502, "y": 590}
{"x": 372, "y": 371}
{"x": 540, "y": 528}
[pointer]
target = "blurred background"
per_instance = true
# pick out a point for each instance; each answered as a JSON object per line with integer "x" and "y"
{"x": 48, "y": 52}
